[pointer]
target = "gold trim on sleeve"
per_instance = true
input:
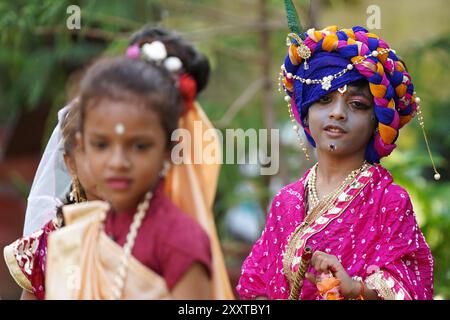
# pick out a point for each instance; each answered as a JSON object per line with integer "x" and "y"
{"x": 382, "y": 286}
{"x": 14, "y": 268}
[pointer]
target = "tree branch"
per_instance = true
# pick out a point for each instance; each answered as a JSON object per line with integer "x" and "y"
{"x": 240, "y": 103}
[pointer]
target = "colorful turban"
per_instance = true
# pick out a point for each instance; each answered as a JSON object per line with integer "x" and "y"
{"x": 330, "y": 58}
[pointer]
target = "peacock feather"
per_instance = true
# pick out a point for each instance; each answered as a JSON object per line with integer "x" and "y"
{"x": 293, "y": 19}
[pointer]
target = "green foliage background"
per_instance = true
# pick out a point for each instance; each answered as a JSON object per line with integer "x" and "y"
{"x": 39, "y": 56}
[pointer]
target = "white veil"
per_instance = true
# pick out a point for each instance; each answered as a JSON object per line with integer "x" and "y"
{"x": 51, "y": 182}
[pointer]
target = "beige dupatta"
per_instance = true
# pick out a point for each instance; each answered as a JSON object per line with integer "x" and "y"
{"x": 82, "y": 261}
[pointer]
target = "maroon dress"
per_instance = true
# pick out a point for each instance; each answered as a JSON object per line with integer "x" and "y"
{"x": 168, "y": 242}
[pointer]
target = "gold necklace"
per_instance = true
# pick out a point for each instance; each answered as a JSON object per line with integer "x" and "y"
{"x": 328, "y": 200}
{"x": 313, "y": 214}
{"x": 119, "y": 279}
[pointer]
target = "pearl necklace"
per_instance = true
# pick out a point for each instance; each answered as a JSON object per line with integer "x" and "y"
{"x": 119, "y": 279}
{"x": 327, "y": 201}
{"x": 316, "y": 209}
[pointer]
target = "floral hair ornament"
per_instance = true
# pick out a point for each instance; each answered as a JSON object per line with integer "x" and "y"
{"x": 155, "y": 52}
{"x": 321, "y": 61}
{"x": 188, "y": 89}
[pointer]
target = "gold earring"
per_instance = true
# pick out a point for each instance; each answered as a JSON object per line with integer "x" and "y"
{"x": 75, "y": 194}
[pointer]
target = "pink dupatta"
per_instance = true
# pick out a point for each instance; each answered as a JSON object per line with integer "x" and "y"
{"x": 371, "y": 229}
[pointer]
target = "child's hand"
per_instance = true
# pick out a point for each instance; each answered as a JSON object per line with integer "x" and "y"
{"x": 325, "y": 263}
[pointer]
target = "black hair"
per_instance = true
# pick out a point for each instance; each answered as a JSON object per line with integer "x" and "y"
{"x": 69, "y": 128}
{"x": 194, "y": 62}
{"x": 125, "y": 79}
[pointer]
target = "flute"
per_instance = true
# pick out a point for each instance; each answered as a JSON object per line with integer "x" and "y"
{"x": 298, "y": 282}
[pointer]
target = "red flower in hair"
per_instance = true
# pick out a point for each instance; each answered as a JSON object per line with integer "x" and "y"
{"x": 188, "y": 89}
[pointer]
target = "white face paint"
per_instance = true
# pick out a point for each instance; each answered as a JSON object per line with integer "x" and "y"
{"x": 343, "y": 89}
{"x": 120, "y": 129}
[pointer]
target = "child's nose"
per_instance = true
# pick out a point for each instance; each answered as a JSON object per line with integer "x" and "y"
{"x": 119, "y": 159}
{"x": 338, "y": 109}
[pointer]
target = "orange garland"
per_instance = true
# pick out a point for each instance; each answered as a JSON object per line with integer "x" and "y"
{"x": 328, "y": 287}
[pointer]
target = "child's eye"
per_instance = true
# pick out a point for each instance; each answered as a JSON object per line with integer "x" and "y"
{"x": 359, "y": 105}
{"x": 142, "y": 146}
{"x": 99, "y": 145}
{"x": 325, "y": 99}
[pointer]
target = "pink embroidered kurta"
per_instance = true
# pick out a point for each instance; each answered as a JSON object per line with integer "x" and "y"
{"x": 371, "y": 229}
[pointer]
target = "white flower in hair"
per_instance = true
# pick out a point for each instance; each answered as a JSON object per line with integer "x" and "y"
{"x": 155, "y": 51}
{"x": 173, "y": 64}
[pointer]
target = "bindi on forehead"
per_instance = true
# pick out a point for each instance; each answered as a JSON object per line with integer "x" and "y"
{"x": 119, "y": 129}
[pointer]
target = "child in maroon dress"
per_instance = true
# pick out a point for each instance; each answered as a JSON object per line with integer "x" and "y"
{"x": 129, "y": 107}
